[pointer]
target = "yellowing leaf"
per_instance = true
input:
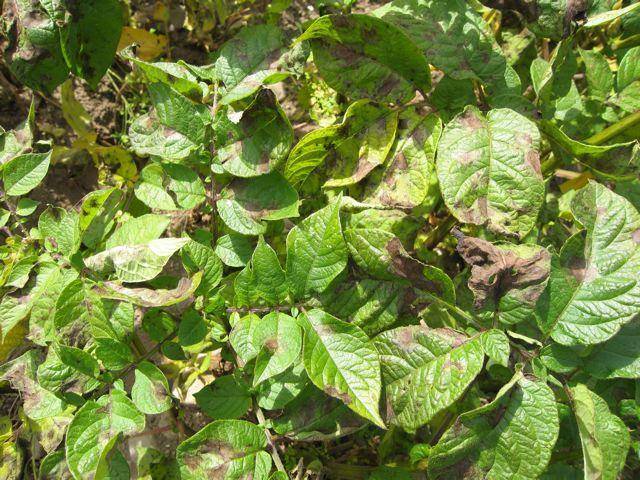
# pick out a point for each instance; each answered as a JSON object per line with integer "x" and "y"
{"x": 150, "y": 45}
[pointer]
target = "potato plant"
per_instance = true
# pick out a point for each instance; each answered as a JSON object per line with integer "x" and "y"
{"x": 378, "y": 241}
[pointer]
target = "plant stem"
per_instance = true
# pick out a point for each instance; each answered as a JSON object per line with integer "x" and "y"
{"x": 435, "y": 236}
{"x": 614, "y": 130}
{"x": 274, "y": 450}
{"x": 14, "y": 215}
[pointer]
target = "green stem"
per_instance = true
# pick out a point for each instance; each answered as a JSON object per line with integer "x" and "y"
{"x": 274, "y": 450}
{"x": 628, "y": 42}
{"x": 614, "y": 130}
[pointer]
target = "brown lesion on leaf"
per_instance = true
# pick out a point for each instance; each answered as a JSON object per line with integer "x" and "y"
{"x": 334, "y": 392}
{"x": 495, "y": 271}
{"x": 470, "y": 120}
{"x": 635, "y": 236}
{"x": 271, "y": 344}
{"x": 579, "y": 270}
{"x": 532, "y": 159}
{"x": 405, "y": 266}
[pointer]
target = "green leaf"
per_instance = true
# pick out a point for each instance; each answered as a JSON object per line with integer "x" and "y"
{"x": 425, "y": 371}
{"x": 136, "y": 263}
{"x": 169, "y": 186}
{"x": 234, "y": 250}
{"x": 97, "y": 215}
{"x": 254, "y": 57}
{"x": 629, "y": 69}
{"x": 598, "y": 72}
{"x": 36, "y": 59}
{"x": 192, "y": 329}
{"x": 496, "y": 346}
{"x": 489, "y": 170}
{"x": 340, "y": 359}
{"x": 241, "y": 337}
{"x": 409, "y": 179}
{"x": 197, "y": 256}
{"x": 604, "y": 437}
{"x": 150, "y": 137}
{"x": 60, "y": 230}
{"x": 316, "y": 251}
{"x": 225, "y": 449}
{"x": 277, "y": 392}
{"x": 150, "y": 391}
{"x": 23, "y": 173}
{"x": 609, "y": 16}
{"x": 511, "y": 437}
{"x": 278, "y": 338}
{"x": 368, "y": 134}
{"x": 260, "y": 140}
{"x": 263, "y": 280}
{"x": 574, "y": 147}
{"x": 365, "y": 57}
{"x": 90, "y": 37}
{"x": 94, "y": 431}
{"x": 452, "y": 35}
{"x": 246, "y": 202}
{"x": 618, "y": 357}
{"x": 177, "y": 112}
{"x": 593, "y": 289}
{"x": 138, "y": 230}
{"x": 228, "y": 397}
{"x": 178, "y": 75}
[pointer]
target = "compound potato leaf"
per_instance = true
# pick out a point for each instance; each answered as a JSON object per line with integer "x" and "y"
{"x": 489, "y": 170}
{"x": 425, "y": 371}
{"x": 341, "y": 361}
{"x": 382, "y": 62}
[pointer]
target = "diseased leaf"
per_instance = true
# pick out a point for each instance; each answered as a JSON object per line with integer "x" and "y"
{"x": 260, "y": 140}
{"x": 316, "y": 251}
{"x": 340, "y": 359}
{"x": 425, "y": 371}
{"x": 254, "y": 57}
{"x": 604, "y": 437}
{"x": 35, "y": 56}
{"x": 489, "y": 170}
{"x": 245, "y": 203}
{"x": 150, "y": 391}
{"x": 94, "y": 430}
{"x": 592, "y": 290}
{"x": 225, "y": 449}
{"x": 452, "y": 36}
{"x": 279, "y": 340}
{"x": 147, "y": 297}
{"x": 90, "y": 37}
{"x": 382, "y": 62}
{"x": 60, "y": 230}
{"x": 150, "y": 137}
{"x": 511, "y": 437}
{"x": 505, "y": 278}
{"x": 136, "y": 263}
{"x": 169, "y": 186}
